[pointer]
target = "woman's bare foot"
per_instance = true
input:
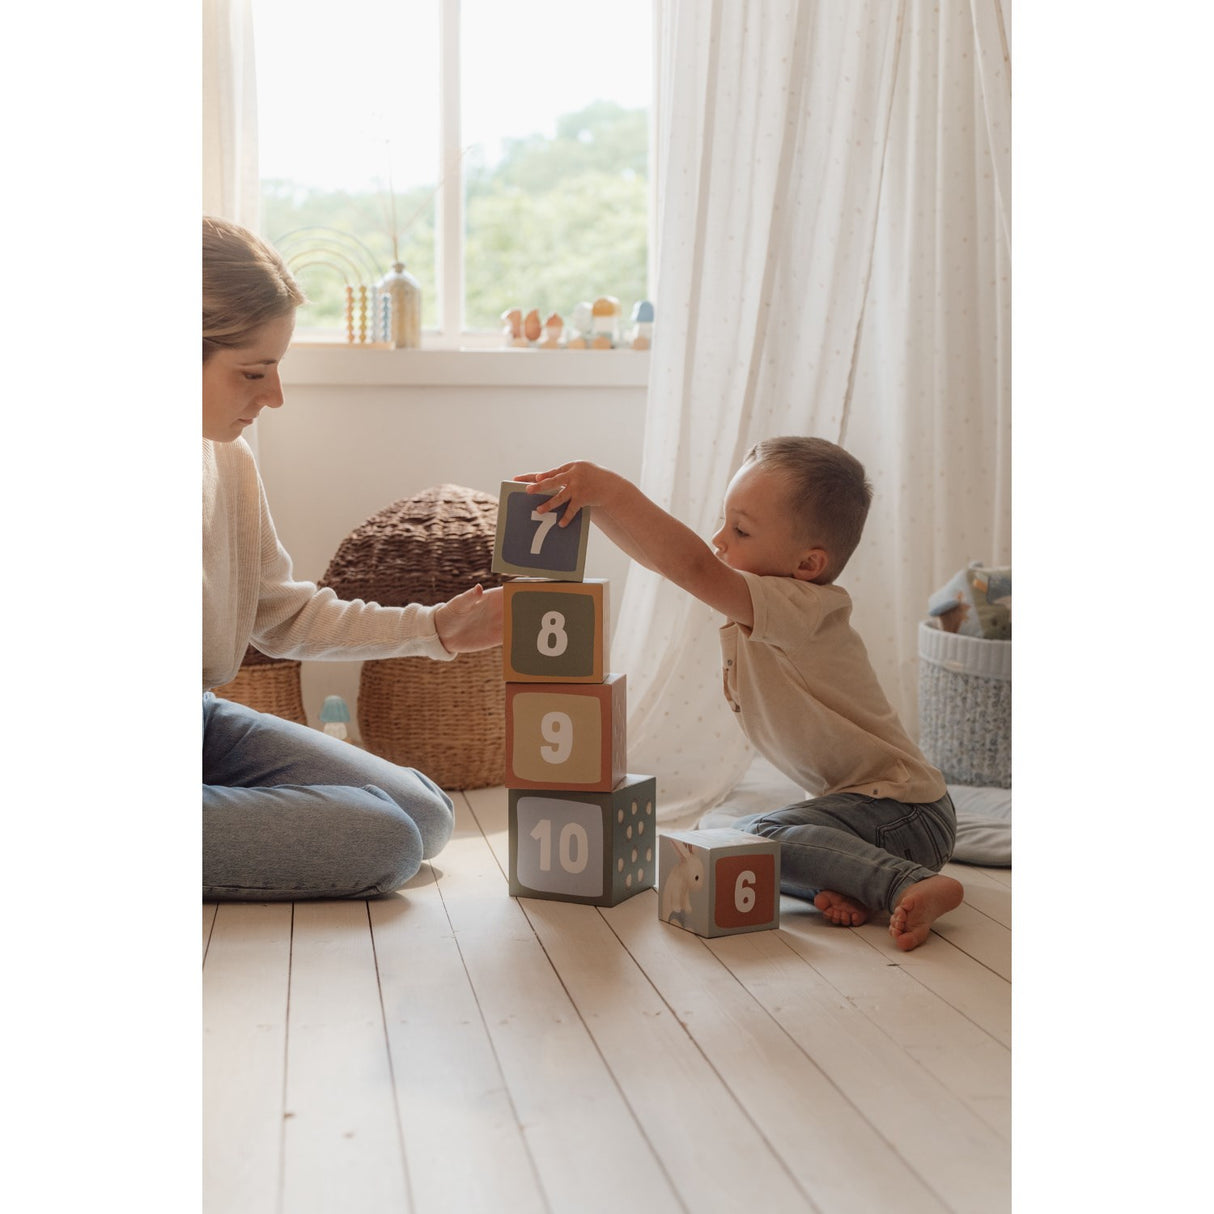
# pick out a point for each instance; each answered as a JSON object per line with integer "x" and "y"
{"x": 841, "y": 909}
{"x": 920, "y": 906}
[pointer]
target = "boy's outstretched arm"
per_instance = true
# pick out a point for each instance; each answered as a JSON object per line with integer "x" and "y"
{"x": 645, "y": 532}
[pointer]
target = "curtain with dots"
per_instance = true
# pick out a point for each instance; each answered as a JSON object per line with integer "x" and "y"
{"x": 833, "y": 246}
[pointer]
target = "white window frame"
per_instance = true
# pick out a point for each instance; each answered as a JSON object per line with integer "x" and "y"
{"x": 321, "y": 361}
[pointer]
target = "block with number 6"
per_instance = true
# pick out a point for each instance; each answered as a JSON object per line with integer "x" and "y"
{"x": 554, "y": 632}
{"x": 566, "y": 735}
{"x": 718, "y": 882}
{"x": 531, "y": 544}
{"x": 598, "y": 848}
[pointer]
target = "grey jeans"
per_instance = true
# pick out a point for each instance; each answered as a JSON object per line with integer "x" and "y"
{"x": 869, "y": 848}
{"x": 289, "y": 812}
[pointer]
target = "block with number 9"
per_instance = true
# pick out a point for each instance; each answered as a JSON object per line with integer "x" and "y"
{"x": 718, "y": 882}
{"x": 599, "y": 848}
{"x": 566, "y": 735}
{"x": 554, "y": 632}
{"x": 529, "y": 543}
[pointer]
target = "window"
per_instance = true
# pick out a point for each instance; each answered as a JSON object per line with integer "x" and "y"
{"x": 507, "y": 151}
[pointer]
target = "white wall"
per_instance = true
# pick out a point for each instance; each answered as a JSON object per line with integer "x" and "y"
{"x": 362, "y": 429}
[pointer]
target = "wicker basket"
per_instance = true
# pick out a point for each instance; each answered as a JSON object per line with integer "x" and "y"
{"x": 965, "y": 706}
{"x": 447, "y": 719}
{"x": 268, "y": 685}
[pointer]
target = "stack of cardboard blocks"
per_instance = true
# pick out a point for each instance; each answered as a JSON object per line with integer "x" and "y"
{"x": 582, "y": 829}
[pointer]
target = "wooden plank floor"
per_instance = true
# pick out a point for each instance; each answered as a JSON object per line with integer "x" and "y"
{"x": 453, "y": 1049}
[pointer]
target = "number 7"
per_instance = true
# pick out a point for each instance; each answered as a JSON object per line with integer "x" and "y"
{"x": 546, "y": 523}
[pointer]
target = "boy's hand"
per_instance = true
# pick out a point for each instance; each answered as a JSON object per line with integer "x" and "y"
{"x": 470, "y": 621}
{"x": 579, "y": 484}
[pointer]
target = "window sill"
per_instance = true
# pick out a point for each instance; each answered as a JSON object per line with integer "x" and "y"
{"x": 340, "y": 365}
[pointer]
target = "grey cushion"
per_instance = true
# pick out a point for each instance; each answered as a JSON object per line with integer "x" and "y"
{"x": 984, "y": 825}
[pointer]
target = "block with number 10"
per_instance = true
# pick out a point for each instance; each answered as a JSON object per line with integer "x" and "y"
{"x": 599, "y": 848}
{"x": 531, "y": 544}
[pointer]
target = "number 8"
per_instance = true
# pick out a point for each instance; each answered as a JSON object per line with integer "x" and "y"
{"x": 553, "y": 639}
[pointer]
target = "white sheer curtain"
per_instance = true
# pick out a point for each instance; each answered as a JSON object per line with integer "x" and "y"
{"x": 230, "y": 186}
{"x": 832, "y": 259}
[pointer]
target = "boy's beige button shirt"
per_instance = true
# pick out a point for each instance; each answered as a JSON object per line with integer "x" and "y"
{"x": 808, "y": 699}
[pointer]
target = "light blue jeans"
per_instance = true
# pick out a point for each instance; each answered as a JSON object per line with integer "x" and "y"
{"x": 290, "y": 813}
{"x": 869, "y": 848}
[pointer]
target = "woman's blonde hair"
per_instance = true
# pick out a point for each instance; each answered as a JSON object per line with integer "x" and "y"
{"x": 245, "y": 283}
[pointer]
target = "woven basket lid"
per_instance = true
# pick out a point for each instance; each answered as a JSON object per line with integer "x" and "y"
{"x": 422, "y": 549}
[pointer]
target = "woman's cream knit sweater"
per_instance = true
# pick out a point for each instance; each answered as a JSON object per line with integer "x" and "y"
{"x": 250, "y": 595}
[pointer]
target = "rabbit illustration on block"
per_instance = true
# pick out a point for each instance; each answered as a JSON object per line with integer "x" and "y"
{"x": 687, "y": 875}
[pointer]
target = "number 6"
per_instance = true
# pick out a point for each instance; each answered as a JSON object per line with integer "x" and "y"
{"x": 744, "y": 892}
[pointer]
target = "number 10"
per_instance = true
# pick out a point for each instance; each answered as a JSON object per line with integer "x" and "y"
{"x": 573, "y": 845}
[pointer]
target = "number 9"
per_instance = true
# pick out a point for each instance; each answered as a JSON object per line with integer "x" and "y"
{"x": 557, "y": 730}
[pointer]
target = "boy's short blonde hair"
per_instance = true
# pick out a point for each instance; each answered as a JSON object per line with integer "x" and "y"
{"x": 828, "y": 492}
{"x": 245, "y": 283}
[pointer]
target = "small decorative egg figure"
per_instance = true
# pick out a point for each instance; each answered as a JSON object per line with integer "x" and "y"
{"x": 333, "y": 715}
{"x": 583, "y": 322}
{"x": 642, "y": 325}
{"x": 512, "y": 327}
{"x": 552, "y": 330}
{"x": 605, "y": 322}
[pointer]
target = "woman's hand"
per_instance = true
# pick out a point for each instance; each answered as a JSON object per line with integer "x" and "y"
{"x": 470, "y": 621}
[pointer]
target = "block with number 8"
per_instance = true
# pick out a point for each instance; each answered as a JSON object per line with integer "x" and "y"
{"x": 598, "y": 848}
{"x": 718, "y": 882}
{"x": 554, "y": 632}
{"x": 531, "y": 544}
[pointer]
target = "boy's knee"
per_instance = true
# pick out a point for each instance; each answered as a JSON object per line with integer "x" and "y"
{"x": 764, "y": 825}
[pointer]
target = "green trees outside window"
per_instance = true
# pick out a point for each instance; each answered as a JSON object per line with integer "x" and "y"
{"x": 556, "y": 221}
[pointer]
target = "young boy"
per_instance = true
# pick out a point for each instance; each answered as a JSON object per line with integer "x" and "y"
{"x": 879, "y": 824}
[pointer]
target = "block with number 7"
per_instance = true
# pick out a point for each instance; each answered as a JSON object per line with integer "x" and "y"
{"x": 531, "y": 544}
{"x": 718, "y": 882}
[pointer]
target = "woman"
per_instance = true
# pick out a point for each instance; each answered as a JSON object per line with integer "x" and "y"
{"x": 289, "y": 812}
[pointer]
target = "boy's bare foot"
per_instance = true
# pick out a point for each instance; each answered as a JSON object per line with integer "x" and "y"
{"x": 920, "y": 906}
{"x": 841, "y": 909}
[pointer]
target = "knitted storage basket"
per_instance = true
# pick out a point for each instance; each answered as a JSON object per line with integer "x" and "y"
{"x": 965, "y": 706}
{"x": 268, "y": 685}
{"x": 447, "y": 719}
